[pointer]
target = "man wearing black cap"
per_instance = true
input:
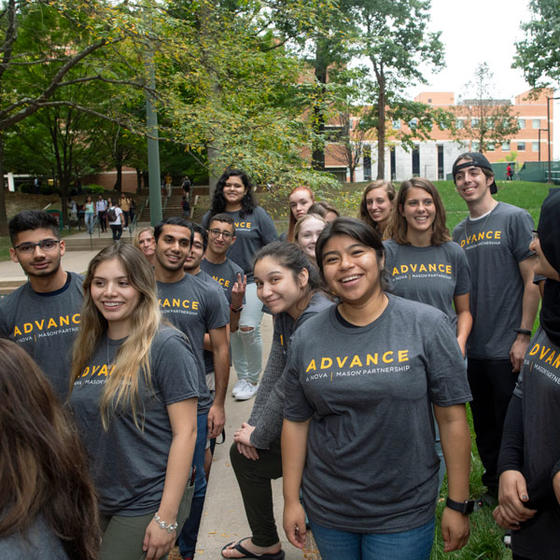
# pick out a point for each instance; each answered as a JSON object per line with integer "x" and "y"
{"x": 504, "y": 301}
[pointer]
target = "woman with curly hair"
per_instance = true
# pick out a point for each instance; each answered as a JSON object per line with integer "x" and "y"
{"x": 254, "y": 229}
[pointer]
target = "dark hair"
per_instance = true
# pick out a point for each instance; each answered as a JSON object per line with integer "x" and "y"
{"x": 248, "y": 203}
{"x": 43, "y": 466}
{"x": 398, "y": 225}
{"x": 379, "y": 183}
{"x": 173, "y": 221}
{"x": 322, "y": 208}
{"x": 290, "y": 255}
{"x": 32, "y": 219}
{"x": 489, "y": 173}
{"x": 358, "y": 230}
{"x": 292, "y": 218}
{"x": 196, "y": 228}
{"x": 226, "y": 218}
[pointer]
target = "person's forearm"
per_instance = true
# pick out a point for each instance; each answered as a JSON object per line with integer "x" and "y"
{"x": 464, "y": 326}
{"x": 294, "y": 450}
{"x": 531, "y": 297}
{"x": 456, "y": 445}
{"x": 221, "y": 372}
{"x": 179, "y": 464}
{"x": 234, "y": 320}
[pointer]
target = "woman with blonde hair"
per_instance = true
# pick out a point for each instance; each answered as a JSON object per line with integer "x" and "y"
{"x": 145, "y": 240}
{"x": 307, "y": 231}
{"x": 134, "y": 396}
{"x": 49, "y": 508}
{"x": 377, "y": 204}
{"x": 299, "y": 201}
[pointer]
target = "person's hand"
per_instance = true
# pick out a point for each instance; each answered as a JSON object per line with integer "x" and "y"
{"x": 248, "y": 451}
{"x": 455, "y": 530}
{"x": 518, "y": 350}
{"x": 556, "y": 485}
{"x": 512, "y": 495}
{"x": 294, "y": 524}
{"x": 238, "y": 291}
{"x": 462, "y": 346}
{"x": 157, "y": 541}
{"x": 243, "y": 435}
{"x": 216, "y": 421}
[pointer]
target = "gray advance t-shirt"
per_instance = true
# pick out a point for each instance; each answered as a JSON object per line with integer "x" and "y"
{"x": 371, "y": 465}
{"x": 195, "y": 307}
{"x": 432, "y": 275}
{"x": 128, "y": 465}
{"x": 253, "y": 231}
{"x": 495, "y": 245}
{"x": 45, "y": 325}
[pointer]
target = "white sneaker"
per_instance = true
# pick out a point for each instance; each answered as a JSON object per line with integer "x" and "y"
{"x": 246, "y": 392}
{"x": 239, "y": 384}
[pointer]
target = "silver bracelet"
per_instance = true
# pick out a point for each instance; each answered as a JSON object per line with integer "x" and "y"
{"x": 169, "y": 527}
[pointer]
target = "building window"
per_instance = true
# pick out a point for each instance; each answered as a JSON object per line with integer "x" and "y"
{"x": 506, "y": 146}
{"x": 416, "y": 161}
{"x": 474, "y": 146}
{"x": 459, "y": 123}
{"x": 396, "y": 125}
{"x": 522, "y": 123}
{"x": 535, "y": 147}
{"x": 491, "y": 147}
{"x": 536, "y": 123}
{"x": 367, "y": 162}
{"x": 474, "y": 121}
{"x": 413, "y": 123}
{"x": 520, "y": 146}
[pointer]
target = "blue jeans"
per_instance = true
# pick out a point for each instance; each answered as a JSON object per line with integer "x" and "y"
{"x": 414, "y": 544}
{"x": 246, "y": 346}
{"x": 189, "y": 532}
{"x": 89, "y": 222}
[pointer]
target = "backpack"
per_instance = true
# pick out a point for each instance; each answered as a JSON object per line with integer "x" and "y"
{"x": 112, "y": 214}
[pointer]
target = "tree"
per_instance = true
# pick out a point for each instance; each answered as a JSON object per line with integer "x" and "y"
{"x": 393, "y": 36}
{"x": 484, "y": 119}
{"x": 538, "y": 55}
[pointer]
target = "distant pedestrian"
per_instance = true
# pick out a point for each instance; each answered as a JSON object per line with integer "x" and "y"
{"x": 509, "y": 172}
{"x": 125, "y": 207}
{"x": 89, "y": 212}
{"x": 115, "y": 218}
{"x": 101, "y": 208}
{"x": 168, "y": 187}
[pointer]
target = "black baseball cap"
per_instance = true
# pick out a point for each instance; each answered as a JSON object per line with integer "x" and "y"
{"x": 475, "y": 159}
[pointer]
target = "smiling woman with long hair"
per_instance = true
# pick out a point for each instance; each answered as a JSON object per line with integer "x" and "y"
{"x": 49, "y": 509}
{"x": 134, "y": 395}
{"x": 358, "y": 432}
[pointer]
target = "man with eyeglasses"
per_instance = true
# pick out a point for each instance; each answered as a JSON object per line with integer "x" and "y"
{"x": 43, "y": 315}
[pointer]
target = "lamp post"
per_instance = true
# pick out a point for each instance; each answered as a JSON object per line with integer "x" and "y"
{"x": 548, "y": 100}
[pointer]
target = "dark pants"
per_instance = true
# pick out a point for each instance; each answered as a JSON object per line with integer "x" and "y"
{"x": 117, "y": 232}
{"x": 492, "y": 383}
{"x": 254, "y": 482}
{"x": 125, "y": 218}
{"x": 101, "y": 218}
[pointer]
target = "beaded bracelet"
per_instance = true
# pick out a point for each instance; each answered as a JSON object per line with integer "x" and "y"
{"x": 169, "y": 527}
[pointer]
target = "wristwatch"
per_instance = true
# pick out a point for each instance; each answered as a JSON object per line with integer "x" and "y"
{"x": 466, "y": 507}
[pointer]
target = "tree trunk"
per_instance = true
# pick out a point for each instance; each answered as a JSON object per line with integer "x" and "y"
{"x": 118, "y": 182}
{"x": 321, "y": 72}
{"x": 3, "y": 215}
{"x": 138, "y": 181}
{"x": 381, "y": 131}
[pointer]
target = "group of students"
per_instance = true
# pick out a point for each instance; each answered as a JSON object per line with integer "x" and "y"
{"x": 376, "y": 322}
{"x": 117, "y": 214}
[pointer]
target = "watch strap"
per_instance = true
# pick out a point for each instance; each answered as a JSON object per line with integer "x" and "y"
{"x": 466, "y": 507}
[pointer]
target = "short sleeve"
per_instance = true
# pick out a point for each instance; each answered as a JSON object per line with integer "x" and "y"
{"x": 297, "y": 408}
{"x": 463, "y": 284}
{"x": 217, "y": 314}
{"x": 446, "y": 368}
{"x": 174, "y": 369}
{"x": 520, "y": 232}
{"x": 268, "y": 230}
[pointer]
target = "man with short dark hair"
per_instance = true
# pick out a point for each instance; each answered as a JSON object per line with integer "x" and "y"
{"x": 504, "y": 301}
{"x": 43, "y": 315}
{"x": 195, "y": 307}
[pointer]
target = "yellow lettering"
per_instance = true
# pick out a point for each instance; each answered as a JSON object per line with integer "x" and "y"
{"x": 175, "y": 302}
{"x": 448, "y": 269}
{"x": 462, "y": 244}
{"x": 395, "y": 271}
{"x": 497, "y": 235}
{"x": 356, "y": 361}
{"x": 544, "y": 352}
{"x": 326, "y": 363}
{"x": 227, "y": 283}
{"x": 311, "y": 366}
{"x": 76, "y": 318}
{"x": 404, "y": 269}
{"x": 372, "y": 359}
{"x": 165, "y": 303}
{"x": 481, "y": 236}
{"x": 556, "y": 363}
{"x": 51, "y": 323}
{"x": 64, "y": 320}
{"x": 423, "y": 268}
{"x": 534, "y": 350}
{"x": 413, "y": 267}
{"x": 195, "y": 305}
{"x": 550, "y": 358}
{"x": 103, "y": 370}
{"x": 40, "y": 324}
{"x": 94, "y": 369}
{"x": 341, "y": 362}
{"x": 27, "y": 327}
{"x": 85, "y": 372}
{"x": 432, "y": 267}
{"x": 402, "y": 355}
{"x": 17, "y": 332}
{"x": 388, "y": 357}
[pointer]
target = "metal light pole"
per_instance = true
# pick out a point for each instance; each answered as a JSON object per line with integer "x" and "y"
{"x": 153, "y": 147}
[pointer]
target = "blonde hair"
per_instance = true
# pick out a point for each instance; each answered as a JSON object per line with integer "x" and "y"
{"x": 133, "y": 356}
{"x": 139, "y": 232}
{"x": 303, "y": 219}
{"x": 363, "y": 213}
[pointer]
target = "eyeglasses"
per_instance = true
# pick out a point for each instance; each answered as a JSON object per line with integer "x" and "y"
{"x": 218, "y": 232}
{"x": 44, "y": 245}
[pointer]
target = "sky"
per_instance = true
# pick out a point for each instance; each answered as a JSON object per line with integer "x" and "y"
{"x": 473, "y": 32}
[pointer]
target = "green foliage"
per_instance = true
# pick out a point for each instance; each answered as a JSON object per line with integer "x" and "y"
{"x": 94, "y": 189}
{"x": 538, "y": 54}
{"x": 485, "y": 120}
